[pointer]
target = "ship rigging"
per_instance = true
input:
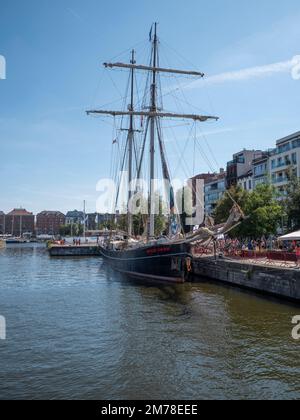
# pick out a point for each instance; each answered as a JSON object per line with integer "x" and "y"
{"x": 172, "y": 252}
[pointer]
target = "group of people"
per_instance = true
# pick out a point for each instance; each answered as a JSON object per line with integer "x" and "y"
{"x": 257, "y": 245}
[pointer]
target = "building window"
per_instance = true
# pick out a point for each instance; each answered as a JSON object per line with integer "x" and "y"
{"x": 294, "y": 158}
{"x": 284, "y": 148}
{"x": 287, "y": 160}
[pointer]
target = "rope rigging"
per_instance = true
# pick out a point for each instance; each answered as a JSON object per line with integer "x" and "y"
{"x": 150, "y": 107}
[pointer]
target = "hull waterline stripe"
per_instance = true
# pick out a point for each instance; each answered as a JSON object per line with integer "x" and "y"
{"x": 160, "y": 279}
{"x": 145, "y": 258}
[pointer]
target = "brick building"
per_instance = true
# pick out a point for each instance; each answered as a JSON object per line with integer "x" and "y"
{"x": 49, "y": 222}
{"x": 2, "y": 223}
{"x": 19, "y": 222}
{"x": 240, "y": 166}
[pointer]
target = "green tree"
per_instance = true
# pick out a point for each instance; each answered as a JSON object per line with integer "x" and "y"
{"x": 75, "y": 229}
{"x": 263, "y": 210}
{"x": 65, "y": 230}
{"x": 292, "y": 204}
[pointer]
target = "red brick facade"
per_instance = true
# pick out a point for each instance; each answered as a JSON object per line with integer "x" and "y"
{"x": 18, "y": 222}
{"x": 2, "y": 223}
{"x": 49, "y": 222}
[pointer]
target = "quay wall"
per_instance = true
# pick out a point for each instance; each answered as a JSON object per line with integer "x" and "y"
{"x": 74, "y": 251}
{"x": 275, "y": 281}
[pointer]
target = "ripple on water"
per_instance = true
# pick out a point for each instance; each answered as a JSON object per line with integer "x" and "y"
{"x": 76, "y": 329}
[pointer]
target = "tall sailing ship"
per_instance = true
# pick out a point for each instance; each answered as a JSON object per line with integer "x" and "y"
{"x": 165, "y": 257}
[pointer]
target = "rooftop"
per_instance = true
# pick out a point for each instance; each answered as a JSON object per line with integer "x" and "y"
{"x": 75, "y": 213}
{"x": 216, "y": 178}
{"x": 265, "y": 156}
{"x": 210, "y": 177}
{"x": 51, "y": 213}
{"x": 246, "y": 151}
{"x": 19, "y": 212}
{"x": 294, "y": 136}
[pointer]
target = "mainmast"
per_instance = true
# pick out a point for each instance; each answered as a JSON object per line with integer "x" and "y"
{"x": 153, "y": 109}
{"x": 130, "y": 144}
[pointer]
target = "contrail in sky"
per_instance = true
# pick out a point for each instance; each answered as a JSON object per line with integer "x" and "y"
{"x": 290, "y": 66}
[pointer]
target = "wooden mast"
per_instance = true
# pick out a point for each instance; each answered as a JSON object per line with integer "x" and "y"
{"x": 130, "y": 145}
{"x": 153, "y": 109}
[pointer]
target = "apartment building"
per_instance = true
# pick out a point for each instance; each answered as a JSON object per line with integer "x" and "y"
{"x": 74, "y": 217}
{"x": 240, "y": 166}
{"x": 246, "y": 181}
{"x": 284, "y": 162}
{"x": 214, "y": 190}
{"x": 260, "y": 169}
{"x": 19, "y": 222}
{"x": 49, "y": 222}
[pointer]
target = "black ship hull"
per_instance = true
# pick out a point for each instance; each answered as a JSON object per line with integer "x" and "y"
{"x": 168, "y": 262}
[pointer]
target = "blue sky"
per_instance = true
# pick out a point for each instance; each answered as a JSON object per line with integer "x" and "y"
{"x": 52, "y": 154}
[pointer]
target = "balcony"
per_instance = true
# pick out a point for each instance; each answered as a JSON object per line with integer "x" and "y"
{"x": 236, "y": 161}
{"x": 281, "y": 180}
{"x": 215, "y": 190}
{"x": 261, "y": 174}
{"x": 283, "y": 164}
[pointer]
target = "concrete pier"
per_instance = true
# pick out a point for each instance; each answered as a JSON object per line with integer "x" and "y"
{"x": 85, "y": 250}
{"x": 274, "y": 281}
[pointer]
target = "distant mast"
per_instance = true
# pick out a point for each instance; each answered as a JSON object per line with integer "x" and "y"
{"x": 84, "y": 216}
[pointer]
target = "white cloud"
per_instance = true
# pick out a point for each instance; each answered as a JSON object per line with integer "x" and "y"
{"x": 290, "y": 66}
{"x": 253, "y": 72}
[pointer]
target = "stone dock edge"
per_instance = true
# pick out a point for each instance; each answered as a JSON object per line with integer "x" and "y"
{"x": 279, "y": 282}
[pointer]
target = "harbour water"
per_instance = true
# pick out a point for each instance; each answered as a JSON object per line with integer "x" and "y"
{"x": 76, "y": 329}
